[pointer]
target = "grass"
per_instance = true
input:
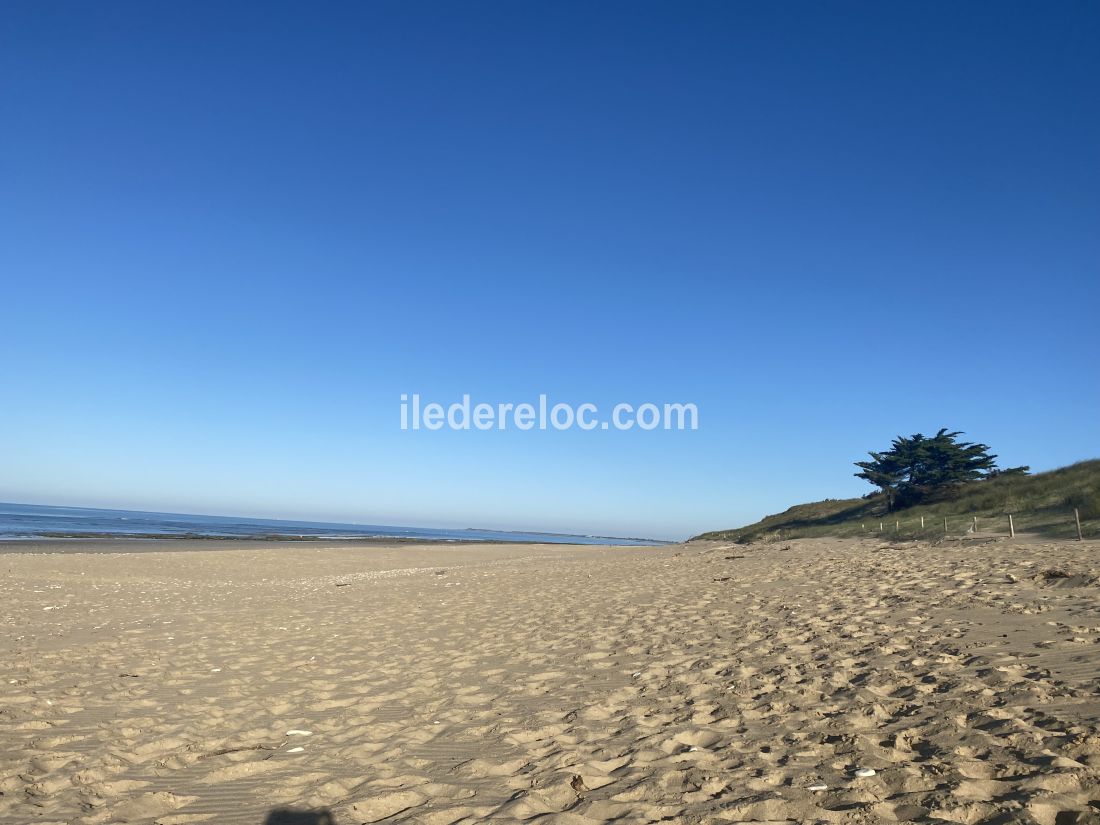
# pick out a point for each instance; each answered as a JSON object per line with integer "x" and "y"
{"x": 1042, "y": 503}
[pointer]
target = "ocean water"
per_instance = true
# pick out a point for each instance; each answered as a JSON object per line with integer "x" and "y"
{"x": 28, "y": 521}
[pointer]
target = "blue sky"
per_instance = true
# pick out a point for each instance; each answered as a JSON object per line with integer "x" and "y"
{"x": 231, "y": 235}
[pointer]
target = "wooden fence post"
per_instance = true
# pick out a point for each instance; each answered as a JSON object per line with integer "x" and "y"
{"x": 880, "y": 526}
{"x": 897, "y": 526}
{"x": 975, "y": 524}
{"x": 1077, "y": 518}
{"x": 1011, "y": 527}
{"x": 945, "y": 524}
{"x": 922, "y": 522}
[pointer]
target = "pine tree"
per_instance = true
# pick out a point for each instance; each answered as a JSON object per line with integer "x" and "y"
{"x": 917, "y": 467}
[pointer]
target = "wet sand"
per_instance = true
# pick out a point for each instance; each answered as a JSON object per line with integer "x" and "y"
{"x": 558, "y": 684}
{"x": 162, "y": 544}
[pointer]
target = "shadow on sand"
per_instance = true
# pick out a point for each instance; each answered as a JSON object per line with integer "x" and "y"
{"x": 289, "y": 816}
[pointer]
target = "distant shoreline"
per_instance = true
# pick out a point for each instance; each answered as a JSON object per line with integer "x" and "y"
{"x": 22, "y": 522}
{"x": 590, "y": 540}
{"x": 150, "y": 544}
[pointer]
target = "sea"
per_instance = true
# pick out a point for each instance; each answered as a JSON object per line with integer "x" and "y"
{"x": 37, "y": 521}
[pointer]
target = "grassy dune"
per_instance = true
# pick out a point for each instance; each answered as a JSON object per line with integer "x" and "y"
{"x": 1042, "y": 503}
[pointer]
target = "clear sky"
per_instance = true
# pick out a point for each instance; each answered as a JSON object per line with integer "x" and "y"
{"x": 231, "y": 235}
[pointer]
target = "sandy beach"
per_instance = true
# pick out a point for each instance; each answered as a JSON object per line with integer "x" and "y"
{"x": 515, "y": 683}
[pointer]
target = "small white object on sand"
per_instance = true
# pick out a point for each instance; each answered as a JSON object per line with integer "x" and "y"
{"x": 295, "y": 750}
{"x": 863, "y": 773}
{"x": 817, "y": 786}
{"x": 299, "y": 733}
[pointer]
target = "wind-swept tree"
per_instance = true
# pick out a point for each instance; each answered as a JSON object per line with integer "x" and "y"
{"x": 885, "y": 471}
{"x": 918, "y": 466}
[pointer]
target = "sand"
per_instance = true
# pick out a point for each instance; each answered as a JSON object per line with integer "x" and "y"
{"x": 518, "y": 683}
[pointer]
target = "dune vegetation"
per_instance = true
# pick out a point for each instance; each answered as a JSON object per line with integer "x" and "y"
{"x": 1041, "y": 504}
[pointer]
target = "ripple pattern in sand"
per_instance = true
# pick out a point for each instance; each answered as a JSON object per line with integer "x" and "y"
{"x": 705, "y": 683}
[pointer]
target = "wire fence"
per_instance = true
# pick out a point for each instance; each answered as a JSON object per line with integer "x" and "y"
{"x": 1053, "y": 524}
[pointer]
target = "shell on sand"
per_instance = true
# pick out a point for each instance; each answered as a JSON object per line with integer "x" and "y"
{"x": 863, "y": 773}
